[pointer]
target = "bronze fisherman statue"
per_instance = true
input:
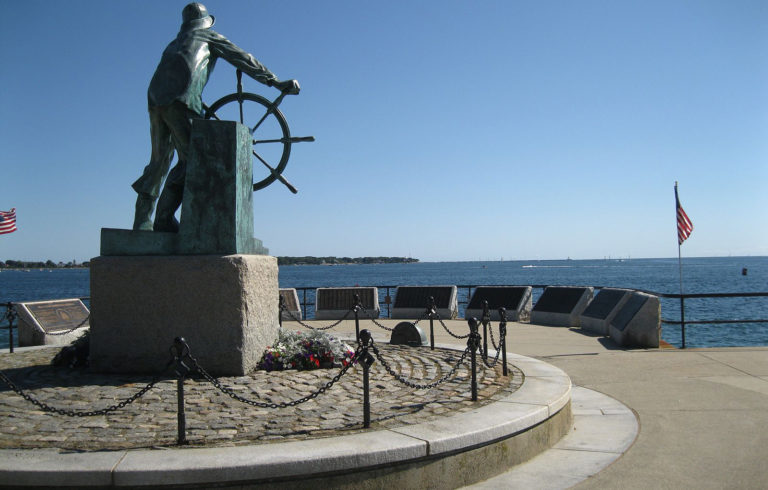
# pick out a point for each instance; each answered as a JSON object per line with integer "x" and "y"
{"x": 175, "y": 99}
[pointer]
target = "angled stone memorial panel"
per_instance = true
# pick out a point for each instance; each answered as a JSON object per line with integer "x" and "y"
{"x": 291, "y": 302}
{"x": 516, "y": 299}
{"x": 335, "y": 303}
{"x": 56, "y": 322}
{"x": 561, "y": 305}
{"x": 411, "y": 301}
{"x": 638, "y": 322}
{"x": 601, "y": 310}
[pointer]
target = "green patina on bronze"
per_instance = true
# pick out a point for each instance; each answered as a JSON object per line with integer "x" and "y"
{"x": 217, "y": 213}
{"x": 213, "y": 177}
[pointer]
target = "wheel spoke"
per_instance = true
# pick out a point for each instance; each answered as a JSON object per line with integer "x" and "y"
{"x": 292, "y": 139}
{"x": 269, "y": 111}
{"x": 276, "y": 174}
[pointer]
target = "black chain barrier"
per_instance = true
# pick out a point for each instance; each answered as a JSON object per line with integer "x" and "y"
{"x": 493, "y": 340}
{"x": 410, "y": 383}
{"x": 373, "y": 320}
{"x": 484, "y": 355}
{"x": 358, "y": 307}
{"x": 65, "y": 332}
{"x": 83, "y": 413}
{"x": 227, "y": 391}
{"x": 440, "y": 320}
{"x": 306, "y": 325}
{"x": 185, "y": 363}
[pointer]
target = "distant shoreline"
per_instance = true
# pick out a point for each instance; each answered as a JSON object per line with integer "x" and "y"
{"x": 309, "y": 260}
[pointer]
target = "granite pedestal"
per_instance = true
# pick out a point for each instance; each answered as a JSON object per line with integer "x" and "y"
{"x": 226, "y": 307}
{"x": 204, "y": 283}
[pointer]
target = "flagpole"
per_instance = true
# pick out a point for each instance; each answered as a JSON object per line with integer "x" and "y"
{"x": 680, "y": 269}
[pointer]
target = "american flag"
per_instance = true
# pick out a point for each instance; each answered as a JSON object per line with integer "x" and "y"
{"x": 684, "y": 224}
{"x": 7, "y": 221}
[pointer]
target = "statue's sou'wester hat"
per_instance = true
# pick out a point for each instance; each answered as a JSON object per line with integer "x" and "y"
{"x": 195, "y": 16}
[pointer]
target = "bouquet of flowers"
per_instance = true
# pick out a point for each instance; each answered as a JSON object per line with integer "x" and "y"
{"x": 305, "y": 350}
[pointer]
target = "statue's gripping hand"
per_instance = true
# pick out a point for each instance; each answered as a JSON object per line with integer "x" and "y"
{"x": 287, "y": 86}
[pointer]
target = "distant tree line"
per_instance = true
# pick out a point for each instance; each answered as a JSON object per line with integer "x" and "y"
{"x": 48, "y": 264}
{"x": 343, "y": 260}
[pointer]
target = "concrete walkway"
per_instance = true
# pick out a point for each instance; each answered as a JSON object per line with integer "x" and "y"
{"x": 703, "y": 413}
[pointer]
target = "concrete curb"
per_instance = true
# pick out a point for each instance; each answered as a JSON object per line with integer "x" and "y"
{"x": 546, "y": 390}
{"x": 603, "y": 429}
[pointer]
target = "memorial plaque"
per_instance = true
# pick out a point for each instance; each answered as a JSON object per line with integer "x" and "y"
{"x": 638, "y": 322}
{"x": 559, "y": 299}
{"x": 418, "y": 296}
{"x": 335, "y": 303}
{"x": 56, "y": 322}
{"x": 56, "y": 316}
{"x": 600, "y": 312}
{"x": 561, "y": 305}
{"x": 291, "y": 302}
{"x": 515, "y": 299}
{"x": 604, "y": 303}
{"x": 628, "y": 312}
{"x": 497, "y": 296}
{"x": 407, "y": 333}
{"x": 411, "y": 301}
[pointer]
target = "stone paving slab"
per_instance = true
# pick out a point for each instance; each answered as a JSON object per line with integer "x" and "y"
{"x": 215, "y": 419}
{"x": 603, "y": 429}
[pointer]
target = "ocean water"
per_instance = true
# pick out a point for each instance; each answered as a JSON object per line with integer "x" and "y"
{"x": 700, "y": 275}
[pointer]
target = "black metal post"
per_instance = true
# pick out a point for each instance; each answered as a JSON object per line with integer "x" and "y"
{"x": 503, "y": 339}
{"x": 10, "y": 313}
{"x": 431, "y": 312}
{"x": 682, "y": 319}
{"x": 182, "y": 421}
{"x": 180, "y": 351}
{"x": 357, "y": 317}
{"x": 280, "y": 314}
{"x": 473, "y": 344}
{"x": 304, "y": 302}
{"x": 366, "y": 360}
{"x": 486, "y": 321}
{"x": 366, "y": 396}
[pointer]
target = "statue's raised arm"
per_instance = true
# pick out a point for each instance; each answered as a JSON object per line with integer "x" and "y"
{"x": 174, "y": 100}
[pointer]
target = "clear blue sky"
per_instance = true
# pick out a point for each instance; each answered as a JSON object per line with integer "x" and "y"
{"x": 446, "y": 130}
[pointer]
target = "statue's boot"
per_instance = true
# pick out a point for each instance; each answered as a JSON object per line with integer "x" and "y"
{"x": 169, "y": 202}
{"x": 145, "y": 204}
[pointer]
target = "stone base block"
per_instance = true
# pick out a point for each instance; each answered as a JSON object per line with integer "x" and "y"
{"x": 600, "y": 312}
{"x": 561, "y": 306}
{"x": 292, "y": 306}
{"x": 638, "y": 322}
{"x": 226, "y": 307}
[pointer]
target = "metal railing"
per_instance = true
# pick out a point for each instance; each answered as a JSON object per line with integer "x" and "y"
{"x": 683, "y": 322}
{"x": 388, "y": 300}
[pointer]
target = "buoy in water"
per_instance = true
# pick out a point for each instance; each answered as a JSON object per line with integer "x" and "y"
{"x": 744, "y": 271}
